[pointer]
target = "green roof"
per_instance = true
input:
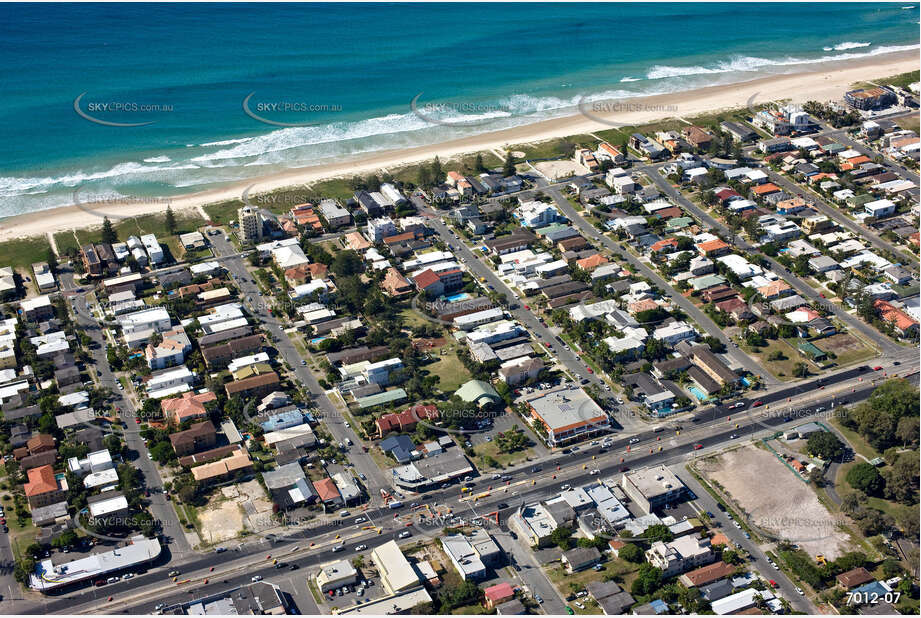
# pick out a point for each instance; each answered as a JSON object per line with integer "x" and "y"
{"x": 547, "y": 229}
{"x": 678, "y": 223}
{"x": 381, "y": 398}
{"x": 811, "y": 350}
{"x": 707, "y": 281}
{"x": 475, "y": 390}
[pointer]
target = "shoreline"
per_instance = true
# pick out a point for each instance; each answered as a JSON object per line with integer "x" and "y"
{"x": 822, "y": 82}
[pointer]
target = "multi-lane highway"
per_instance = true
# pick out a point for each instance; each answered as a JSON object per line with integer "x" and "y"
{"x": 783, "y": 408}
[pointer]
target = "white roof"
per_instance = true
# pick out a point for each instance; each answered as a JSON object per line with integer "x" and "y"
{"x": 48, "y": 576}
{"x": 112, "y": 505}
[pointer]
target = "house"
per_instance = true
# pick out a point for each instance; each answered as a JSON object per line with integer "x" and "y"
{"x": 853, "y": 578}
{"x": 680, "y": 555}
{"x": 898, "y": 275}
{"x": 187, "y": 407}
{"x": 738, "y": 132}
{"x": 43, "y": 487}
{"x": 335, "y": 215}
{"x": 498, "y": 594}
{"x": 707, "y": 574}
{"x": 406, "y": 420}
{"x": 712, "y": 248}
{"x": 592, "y": 262}
{"x": 607, "y": 152}
{"x": 394, "y": 284}
{"x": 171, "y": 350}
{"x": 519, "y": 370}
{"x": 198, "y": 437}
{"x": 879, "y": 208}
{"x": 254, "y": 386}
{"x": 901, "y": 321}
{"x": 697, "y": 137}
{"x": 327, "y": 491}
{"x": 238, "y": 461}
{"x": 580, "y": 558}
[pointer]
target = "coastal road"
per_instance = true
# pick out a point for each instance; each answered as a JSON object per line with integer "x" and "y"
{"x": 778, "y": 269}
{"x": 333, "y": 420}
{"x": 710, "y": 328}
{"x": 146, "y": 590}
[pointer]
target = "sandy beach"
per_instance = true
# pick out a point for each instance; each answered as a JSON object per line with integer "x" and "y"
{"x": 822, "y": 82}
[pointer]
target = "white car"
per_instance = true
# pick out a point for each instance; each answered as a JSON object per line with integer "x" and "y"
{"x": 594, "y": 472}
{"x": 361, "y": 547}
{"x": 800, "y": 592}
{"x": 256, "y": 578}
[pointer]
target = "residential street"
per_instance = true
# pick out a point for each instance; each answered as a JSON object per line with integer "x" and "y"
{"x": 332, "y": 418}
{"x": 804, "y": 289}
{"x": 710, "y": 328}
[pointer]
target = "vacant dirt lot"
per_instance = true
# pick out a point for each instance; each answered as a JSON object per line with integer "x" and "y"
{"x": 776, "y": 501}
{"x": 560, "y": 169}
{"x": 234, "y": 508}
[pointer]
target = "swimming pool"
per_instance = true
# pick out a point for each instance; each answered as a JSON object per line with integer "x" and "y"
{"x": 317, "y": 340}
{"x": 701, "y": 396}
{"x": 746, "y": 382}
{"x": 456, "y": 297}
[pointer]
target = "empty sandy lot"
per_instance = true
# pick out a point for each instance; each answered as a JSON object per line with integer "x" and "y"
{"x": 774, "y": 500}
{"x": 233, "y": 509}
{"x": 560, "y": 169}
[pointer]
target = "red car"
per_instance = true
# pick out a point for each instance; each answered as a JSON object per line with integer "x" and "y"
{"x": 757, "y": 403}
{"x": 697, "y": 447}
{"x": 878, "y": 368}
{"x": 526, "y": 307}
{"x": 773, "y": 583}
{"x": 137, "y": 421}
{"x": 589, "y": 369}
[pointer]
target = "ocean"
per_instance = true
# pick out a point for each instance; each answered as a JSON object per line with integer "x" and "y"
{"x": 159, "y": 100}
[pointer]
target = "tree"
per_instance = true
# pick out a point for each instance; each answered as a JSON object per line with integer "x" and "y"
{"x": 170, "y": 220}
{"x": 346, "y": 263}
{"x": 52, "y": 259}
{"x": 866, "y": 478}
{"x": 109, "y": 235}
{"x": 631, "y": 553}
{"x": 825, "y": 445}
{"x": 437, "y": 171}
{"x": 800, "y": 370}
{"x": 658, "y": 532}
{"x": 508, "y": 168}
{"x": 647, "y": 581}
{"x": 478, "y": 163}
{"x": 816, "y": 477}
{"x": 561, "y": 537}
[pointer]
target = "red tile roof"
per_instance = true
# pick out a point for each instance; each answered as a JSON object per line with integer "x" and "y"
{"x": 499, "y": 592}
{"x": 41, "y": 481}
{"x": 766, "y": 189}
{"x": 326, "y": 489}
{"x": 425, "y": 279}
{"x": 710, "y": 573}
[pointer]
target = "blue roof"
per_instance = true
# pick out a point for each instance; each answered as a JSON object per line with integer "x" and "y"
{"x": 660, "y": 606}
{"x": 871, "y": 588}
{"x": 399, "y": 446}
{"x": 282, "y": 420}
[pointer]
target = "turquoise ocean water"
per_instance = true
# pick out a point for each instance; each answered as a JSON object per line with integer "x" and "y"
{"x": 224, "y": 92}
